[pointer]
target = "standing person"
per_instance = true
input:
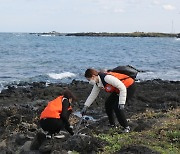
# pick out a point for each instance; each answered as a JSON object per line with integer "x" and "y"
{"x": 56, "y": 114}
{"x": 121, "y": 87}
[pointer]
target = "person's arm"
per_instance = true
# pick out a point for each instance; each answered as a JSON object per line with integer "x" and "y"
{"x": 94, "y": 93}
{"x": 65, "y": 116}
{"x": 115, "y": 82}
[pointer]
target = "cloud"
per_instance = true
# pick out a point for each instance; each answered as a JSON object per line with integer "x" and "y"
{"x": 111, "y": 6}
{"x": 168, "y": 7}
{"x": 119, "y": 10}
{"x": 156, "y": 2}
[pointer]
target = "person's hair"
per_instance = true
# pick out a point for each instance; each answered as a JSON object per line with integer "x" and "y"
{"x": 68, "y": 94}
{"x": 90, "y": 72}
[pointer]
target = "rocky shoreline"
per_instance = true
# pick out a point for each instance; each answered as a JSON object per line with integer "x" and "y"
{"x": 106, "y": 34}
{"x": 21, "y": 107}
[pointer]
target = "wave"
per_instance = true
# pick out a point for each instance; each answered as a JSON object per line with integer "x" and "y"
{"x": 1, "y": 87}
{"x": 61, "y": 75}
{"x": 66, "y": 77}
{"x": 170, "y": 75}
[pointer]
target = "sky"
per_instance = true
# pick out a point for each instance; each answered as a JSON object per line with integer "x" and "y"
{"x": 67, "y": 16}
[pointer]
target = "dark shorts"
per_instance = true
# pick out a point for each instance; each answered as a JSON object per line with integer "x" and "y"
{"x": 51, "y": 125}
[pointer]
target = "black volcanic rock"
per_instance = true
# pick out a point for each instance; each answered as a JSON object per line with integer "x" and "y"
{"x": 21, "y": 107}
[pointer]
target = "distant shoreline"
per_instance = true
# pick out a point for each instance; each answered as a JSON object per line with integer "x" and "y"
{"x": 106, "y": 34}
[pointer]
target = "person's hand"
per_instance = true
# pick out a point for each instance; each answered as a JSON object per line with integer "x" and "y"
{"x": 70, "y": 130}
{"x": 71, "y": 127}
{"x": 121, "y": 106}
{"x": 83, "y": 111}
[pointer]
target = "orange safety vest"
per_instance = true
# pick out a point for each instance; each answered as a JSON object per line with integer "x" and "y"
{"x": 125, "y": 79}
{"x": 53, "y": 109}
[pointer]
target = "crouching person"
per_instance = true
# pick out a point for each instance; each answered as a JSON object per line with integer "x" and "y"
{"x": 55, "y": 116}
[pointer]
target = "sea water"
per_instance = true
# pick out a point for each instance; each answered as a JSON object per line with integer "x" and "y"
{"x": 53, "y": 59}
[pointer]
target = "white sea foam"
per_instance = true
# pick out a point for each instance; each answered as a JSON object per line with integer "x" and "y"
{"x": 47, "y": 35}
{"x": 172, "y": 75}
{"x": 1, "y": 87}
{"x": 61, "y": 75}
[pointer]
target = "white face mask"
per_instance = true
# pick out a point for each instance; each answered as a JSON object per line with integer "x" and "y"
{"x": 92, "y": 82}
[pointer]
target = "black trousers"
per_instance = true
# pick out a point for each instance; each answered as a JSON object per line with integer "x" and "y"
{"x": 51, "y": 125}
{"x": 111, "y": 107}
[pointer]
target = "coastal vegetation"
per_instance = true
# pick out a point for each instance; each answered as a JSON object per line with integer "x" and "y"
{"x": 163, "y": 137}
{"x": 134, "y": 34}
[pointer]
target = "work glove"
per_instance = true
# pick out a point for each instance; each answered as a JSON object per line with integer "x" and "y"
{"x": 83, "y": 111}
{"x": 121, "y": 106}
{"x": 72, "y": 133}
{"x": 70, "y": 130}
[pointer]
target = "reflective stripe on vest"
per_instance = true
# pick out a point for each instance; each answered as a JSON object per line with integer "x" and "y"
{"x": 125, "y": 79}
{"x": 53, "y": 109}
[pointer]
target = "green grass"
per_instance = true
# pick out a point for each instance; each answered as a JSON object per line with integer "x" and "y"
{"x": 164, "y": 137}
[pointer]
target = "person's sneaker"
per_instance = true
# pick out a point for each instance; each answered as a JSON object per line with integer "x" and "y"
{"x": 127, "y": 129}
{"x": 48, "y": 136}
{"x": 58, "y": 136}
